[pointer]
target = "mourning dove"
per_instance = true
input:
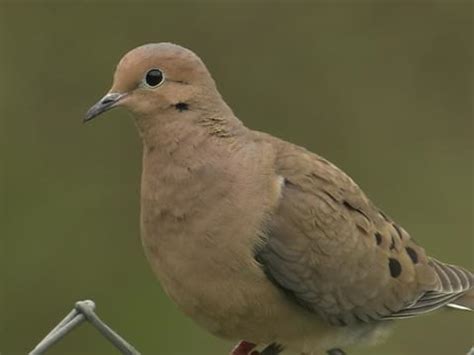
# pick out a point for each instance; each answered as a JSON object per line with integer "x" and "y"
{"x": 259, "y": 239}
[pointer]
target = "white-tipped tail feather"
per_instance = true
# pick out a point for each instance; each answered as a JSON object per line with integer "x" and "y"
{"x": 456, "y": 290}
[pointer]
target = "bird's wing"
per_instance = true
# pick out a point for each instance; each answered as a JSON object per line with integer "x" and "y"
{"x": 331, "y": 250}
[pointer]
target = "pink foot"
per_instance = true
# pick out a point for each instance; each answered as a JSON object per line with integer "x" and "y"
{"x": 244, "y": 348}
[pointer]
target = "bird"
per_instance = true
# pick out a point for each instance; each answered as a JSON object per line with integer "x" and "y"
{"x": 259, "y": 240}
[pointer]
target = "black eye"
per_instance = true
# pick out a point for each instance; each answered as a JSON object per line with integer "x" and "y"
{"x": 154, "y": 77}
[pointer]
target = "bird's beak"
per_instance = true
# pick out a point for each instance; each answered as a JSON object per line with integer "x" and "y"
{"x": 106, "y": 103}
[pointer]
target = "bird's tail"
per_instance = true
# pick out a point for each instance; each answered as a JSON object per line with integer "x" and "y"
{"x": 465, "y": 302}
{"x": 455, "y": 290}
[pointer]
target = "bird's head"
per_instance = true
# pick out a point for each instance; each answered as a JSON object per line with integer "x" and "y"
{"x": 154, "y": 79}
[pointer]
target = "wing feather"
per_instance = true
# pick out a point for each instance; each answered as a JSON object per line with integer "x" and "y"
{"x": 335, "y": 253}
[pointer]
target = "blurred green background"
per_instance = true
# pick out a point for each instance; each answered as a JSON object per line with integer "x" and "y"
{"x": 383, "y": 90}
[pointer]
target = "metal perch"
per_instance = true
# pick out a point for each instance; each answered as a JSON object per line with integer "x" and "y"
{"x": 83, "y": 310}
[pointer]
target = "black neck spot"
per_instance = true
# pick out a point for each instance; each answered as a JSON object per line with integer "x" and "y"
{"x": 181, "y": 106}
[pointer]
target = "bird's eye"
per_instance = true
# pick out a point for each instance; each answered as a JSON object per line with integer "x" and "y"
{"x": 154, "y": 78}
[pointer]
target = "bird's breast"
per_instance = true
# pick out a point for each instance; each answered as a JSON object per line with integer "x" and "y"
{"x": 199, "y": 230}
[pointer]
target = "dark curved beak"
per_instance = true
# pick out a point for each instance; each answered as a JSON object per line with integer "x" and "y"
{"x": 106, "y": 103}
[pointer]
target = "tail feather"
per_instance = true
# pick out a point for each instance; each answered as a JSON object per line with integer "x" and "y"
{"x": 455, "y": 289}
{"x": 453, "y": 279}
{"x": 465, "y": 302}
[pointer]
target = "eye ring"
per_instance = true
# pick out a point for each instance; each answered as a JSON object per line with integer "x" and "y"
{"x": 154, "y": 78}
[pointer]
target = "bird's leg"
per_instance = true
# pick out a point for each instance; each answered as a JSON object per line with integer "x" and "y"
{"x": 243, "y": 348}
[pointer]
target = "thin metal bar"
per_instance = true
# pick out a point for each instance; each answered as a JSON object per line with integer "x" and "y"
{"x": 83, "y": 310}
{"x": 73, "y": 314}
{"x": 120, "y": 343}
{"x": 53, "y": 338}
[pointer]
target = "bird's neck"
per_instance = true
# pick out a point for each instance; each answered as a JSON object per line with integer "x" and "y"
{"x": 185, "y": 163}
{"x": 186, "y": 128}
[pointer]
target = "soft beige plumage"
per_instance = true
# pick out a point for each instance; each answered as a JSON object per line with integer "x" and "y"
{"x": 256, "y": 238}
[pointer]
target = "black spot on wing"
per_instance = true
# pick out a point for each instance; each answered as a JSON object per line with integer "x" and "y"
{"x": 395, "y": 267}
{"x": 399, "y": 231}
{"x": 412, "y": 254}
{"x": 378, "y": 238}
{"x": 362, "y": 229}
{"x": 355, "y": 209}
{"x": 392, "y": 244}
{"x": 328, "y": 194}
{"x": 384, "y": 216}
